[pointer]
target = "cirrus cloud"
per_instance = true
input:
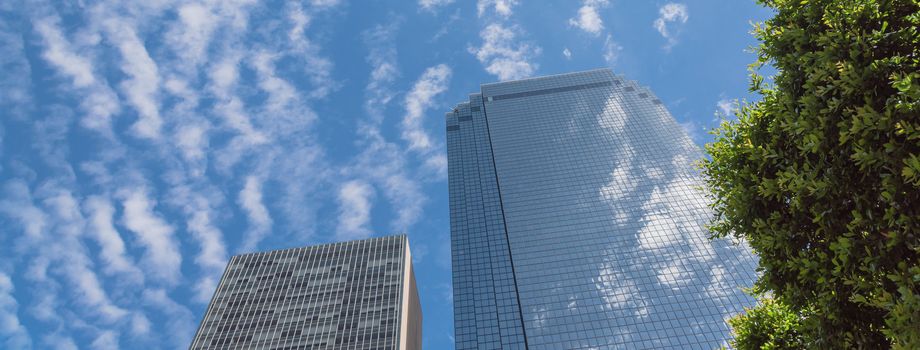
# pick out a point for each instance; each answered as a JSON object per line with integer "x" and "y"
{"x": 670, "y": 17}
{"x": 588, "y": 19}
{"x": 502, "y": 55}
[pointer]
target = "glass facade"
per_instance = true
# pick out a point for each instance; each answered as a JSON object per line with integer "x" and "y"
{"x": 577, "y": 222}
{"x": 351, "y": 295}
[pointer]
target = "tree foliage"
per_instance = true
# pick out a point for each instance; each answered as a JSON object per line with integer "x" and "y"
{"x": 822, "y": 176}
{"x": 769, "y": 325}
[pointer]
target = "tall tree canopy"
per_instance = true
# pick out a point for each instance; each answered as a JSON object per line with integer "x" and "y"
{"x": 822, "y": 176}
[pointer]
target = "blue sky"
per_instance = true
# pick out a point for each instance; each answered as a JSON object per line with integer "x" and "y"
{"x": 144, "y": 143}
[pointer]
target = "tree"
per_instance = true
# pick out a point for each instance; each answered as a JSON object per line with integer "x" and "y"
{"x": 822, "y": 176}
{"x": 769, "y": 325}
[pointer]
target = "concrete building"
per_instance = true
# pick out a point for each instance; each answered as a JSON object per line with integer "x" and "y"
{"x": 351, "y": 295}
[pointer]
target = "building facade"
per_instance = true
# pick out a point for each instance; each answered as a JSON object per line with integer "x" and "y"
{"x": 578, "y": 222}
{"x": 350, "y": 295}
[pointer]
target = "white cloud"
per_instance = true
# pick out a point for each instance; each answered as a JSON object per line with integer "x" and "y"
{"x": 179, "y": 320}
{"x": 504, "y": 57}
{"x": 260, "y": 223}
{"x": 140, "y": 324}
{"x": 432, "y": 83}
{"x": 99, "y": 103}
{"x": 192, "y": 140}
{"x": 17, "y": 204}
{"x": 88, "y": 289}
{"x": 355, "y": 201}
{"x": 384, "y": 164}
{"x": 317, "y": 67}
{"x": 191, "y": 34}
{"x": 191, "y": 130}
{"x": 68, "y": 254}
{"x": 431, "y": 5}
{"x": 106, "y": 340}
{"x": 59, "y": 53}
{"x": 102, "y": 229}
{"x": 437, "y": 164}
{"x": 611, "y": 50}
{"x": 502, "y": 8}
{"x": 300, "y": 170}
{"x": 383, "y": 72}
{"x": 45, "y": 306}
{"x": 290, "y": 158}
{"x": 300, "y": 20}
{"x": 212, "y": 253}
{"x": 287, "y": 110}
{"x": 381, "y": 162}
{"x": 324, "y": 3}
{"x": 588, "y": 19}
{"x": 247, "y": 140}
{"x": 162, "y": 259}
{"x": 407, "y": 198}
{"x": 37, "y": 269}
{"x": 692, "y": 129}
{"x": 218, "y": 88}
{"x": 725, "y": 106}
{"x": 142, "y": 87}
{"x": 12, "y": 331}
{"x": 58, "y": 251}
{"x": 281, "y": 94}
{"x": 16, "y": 99}
{"x": 384, "y": 69}
{"x": 224, "y": 76}
{"x": 446, "y": 26}
{"x": 567, "y": 53}
{"x": 419, "y": 252}
{"x": 59, "y": 341}
{"x": 265, "y": 132}
{"x": 179, "y": 87}
{"x": 670, "y": 15}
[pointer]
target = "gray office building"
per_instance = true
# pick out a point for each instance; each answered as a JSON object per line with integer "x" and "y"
{"x": 578, "y": 222}
{"x": 350, "y": 295}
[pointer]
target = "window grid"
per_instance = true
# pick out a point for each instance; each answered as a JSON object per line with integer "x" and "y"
{"x": 604, "y": 221}
{"x": 336, "y": 296}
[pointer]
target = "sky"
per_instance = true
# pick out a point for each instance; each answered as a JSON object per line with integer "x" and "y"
{"x": 143, "y": 143}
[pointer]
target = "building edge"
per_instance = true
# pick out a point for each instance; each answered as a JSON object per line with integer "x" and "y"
{"x": 410, "y": 337}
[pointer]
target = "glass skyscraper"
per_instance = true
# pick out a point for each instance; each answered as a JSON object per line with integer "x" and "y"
{"x": 351, "y": 295}
{"x": 578, "y": 222}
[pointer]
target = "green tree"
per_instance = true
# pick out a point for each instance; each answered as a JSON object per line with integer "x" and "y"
{"x": 822, "y": 177}
{"x": 769, "y": 325}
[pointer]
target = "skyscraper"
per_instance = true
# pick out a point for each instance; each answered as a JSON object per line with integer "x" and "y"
{"x": 351, "y": 295}
{"x": 578, "y": 222}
